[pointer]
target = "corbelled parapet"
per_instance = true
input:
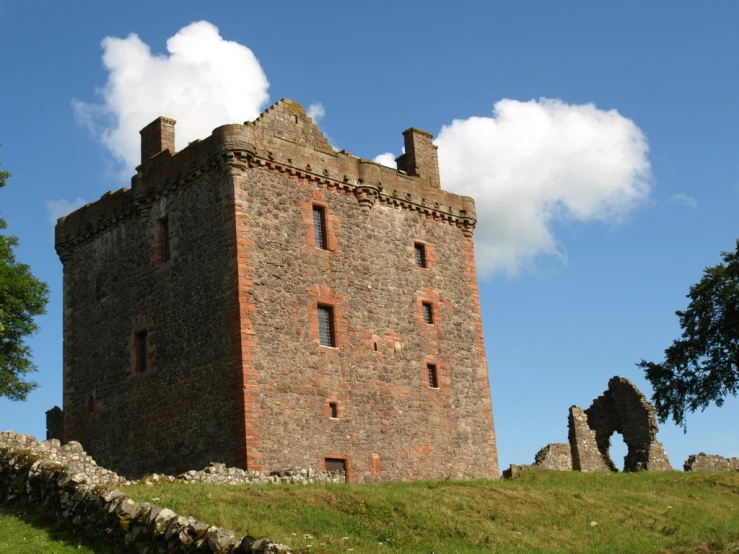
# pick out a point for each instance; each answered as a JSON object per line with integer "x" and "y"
{"x": 284, "y": 139}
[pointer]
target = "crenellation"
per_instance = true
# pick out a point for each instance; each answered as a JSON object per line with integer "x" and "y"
{"x": 169, "y": 168}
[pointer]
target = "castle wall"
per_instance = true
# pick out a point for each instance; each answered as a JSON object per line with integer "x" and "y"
{"x": 178, "y": 414}
{"x": 391, "y": 425}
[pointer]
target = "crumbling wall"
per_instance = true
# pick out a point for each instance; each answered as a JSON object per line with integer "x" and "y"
{"x": 710, "y": 462}
{"x": 556, "y": 456}
{"x": 585, "y": 453}
{"x": 71, "y": 455}
{"x": 622, "y": 408}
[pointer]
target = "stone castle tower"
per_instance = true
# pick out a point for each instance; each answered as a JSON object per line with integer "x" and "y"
{"x": 262, "y": 300}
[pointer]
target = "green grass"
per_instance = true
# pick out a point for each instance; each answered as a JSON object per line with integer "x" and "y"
{"x": 542, "y": 512}
{"x": 23, "y": 531}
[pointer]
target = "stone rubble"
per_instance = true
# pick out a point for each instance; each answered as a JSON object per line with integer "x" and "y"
{"x": 218, "y": 473}
{"x": 67, "y": 484}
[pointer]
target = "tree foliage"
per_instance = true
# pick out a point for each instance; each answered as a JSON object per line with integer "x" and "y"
{"x": 702, "y": 366}
{"x": 22, "y": 297}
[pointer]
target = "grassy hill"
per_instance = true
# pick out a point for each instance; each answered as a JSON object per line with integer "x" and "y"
{"x": 542, "y": 511}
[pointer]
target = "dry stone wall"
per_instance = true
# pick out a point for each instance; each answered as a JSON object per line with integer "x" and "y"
{"x": 71, "y": 455}
{"x": 67, "y": 485}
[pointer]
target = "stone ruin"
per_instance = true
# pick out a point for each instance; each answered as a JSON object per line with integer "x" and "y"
{"x": 710, "y": 462}
{"x": 622, "y": 408}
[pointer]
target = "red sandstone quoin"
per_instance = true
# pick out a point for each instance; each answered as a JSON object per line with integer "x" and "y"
{"x": 262, "y": 300}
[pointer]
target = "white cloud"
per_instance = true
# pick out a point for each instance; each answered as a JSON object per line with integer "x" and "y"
{"x": 316, "y": 111}
{"x": 204, "y": 81}
{"x": 537, "y": 163}
{"x": 682, "y": 198}
{"x": 60, "y": 208}
{"x": 386, "y": 159}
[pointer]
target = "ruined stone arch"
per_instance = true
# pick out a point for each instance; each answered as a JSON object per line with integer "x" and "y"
{"x": 620, "y": 409}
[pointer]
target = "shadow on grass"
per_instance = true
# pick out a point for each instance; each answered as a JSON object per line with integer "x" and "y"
{"x": 62, "y": 538}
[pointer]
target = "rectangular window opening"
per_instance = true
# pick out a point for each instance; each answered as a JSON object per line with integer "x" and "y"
{"x": 420, "y": 255}
{"x": 319, "y": 227}
{"x": 142, "y": 351}
{"x": 334, "y": 410}
{"x": 326, "y": 326}
{"x": 433, "y": 377}
{"x": 336, "y": 464}
{"x": 428, "y": 313}
{"x": 164, "y": 233}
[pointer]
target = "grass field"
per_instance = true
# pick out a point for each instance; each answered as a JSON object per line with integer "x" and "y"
{"x": 22, "y": 531}
{"x": 542, "y": 511}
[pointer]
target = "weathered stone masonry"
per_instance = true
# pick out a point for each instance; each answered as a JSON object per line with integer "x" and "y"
{"x": 623, "y": 409}
{"x": 235, "y": 371}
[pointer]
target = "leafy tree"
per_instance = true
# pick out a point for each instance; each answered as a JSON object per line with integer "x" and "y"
{"x": 702, "y": 366}
{"x": 22, "y": 296}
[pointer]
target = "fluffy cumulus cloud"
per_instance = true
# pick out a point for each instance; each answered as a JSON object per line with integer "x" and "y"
{"x": 204, "y": 81}
{"x": 534, "y": 164}
{"x": 386, "y": 159}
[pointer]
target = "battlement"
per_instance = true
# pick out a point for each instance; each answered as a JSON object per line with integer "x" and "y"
{"x": 283, "y": 138}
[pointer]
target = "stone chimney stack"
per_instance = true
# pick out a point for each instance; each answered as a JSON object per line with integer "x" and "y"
{"x": 420, "y": 158}
{"x": 156, "y": 137}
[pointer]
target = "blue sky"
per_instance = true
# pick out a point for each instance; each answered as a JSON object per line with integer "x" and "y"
{"x": 582, "y": 290}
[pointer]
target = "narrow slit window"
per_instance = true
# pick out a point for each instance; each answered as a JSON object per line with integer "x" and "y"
{"x": 142, "y": 351}
{"x": 319, "y": 227}
{"x": 433, "y": 376}
{"x": 428, "y": 313}
{"x": 420, "y": 255}
{"x": 90, "y": 403}
{"x": 334, "y": 410}
{"x": 164, "y": 234}
{"x": 326, "y": 326}
{"x": 98, "y": 286}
